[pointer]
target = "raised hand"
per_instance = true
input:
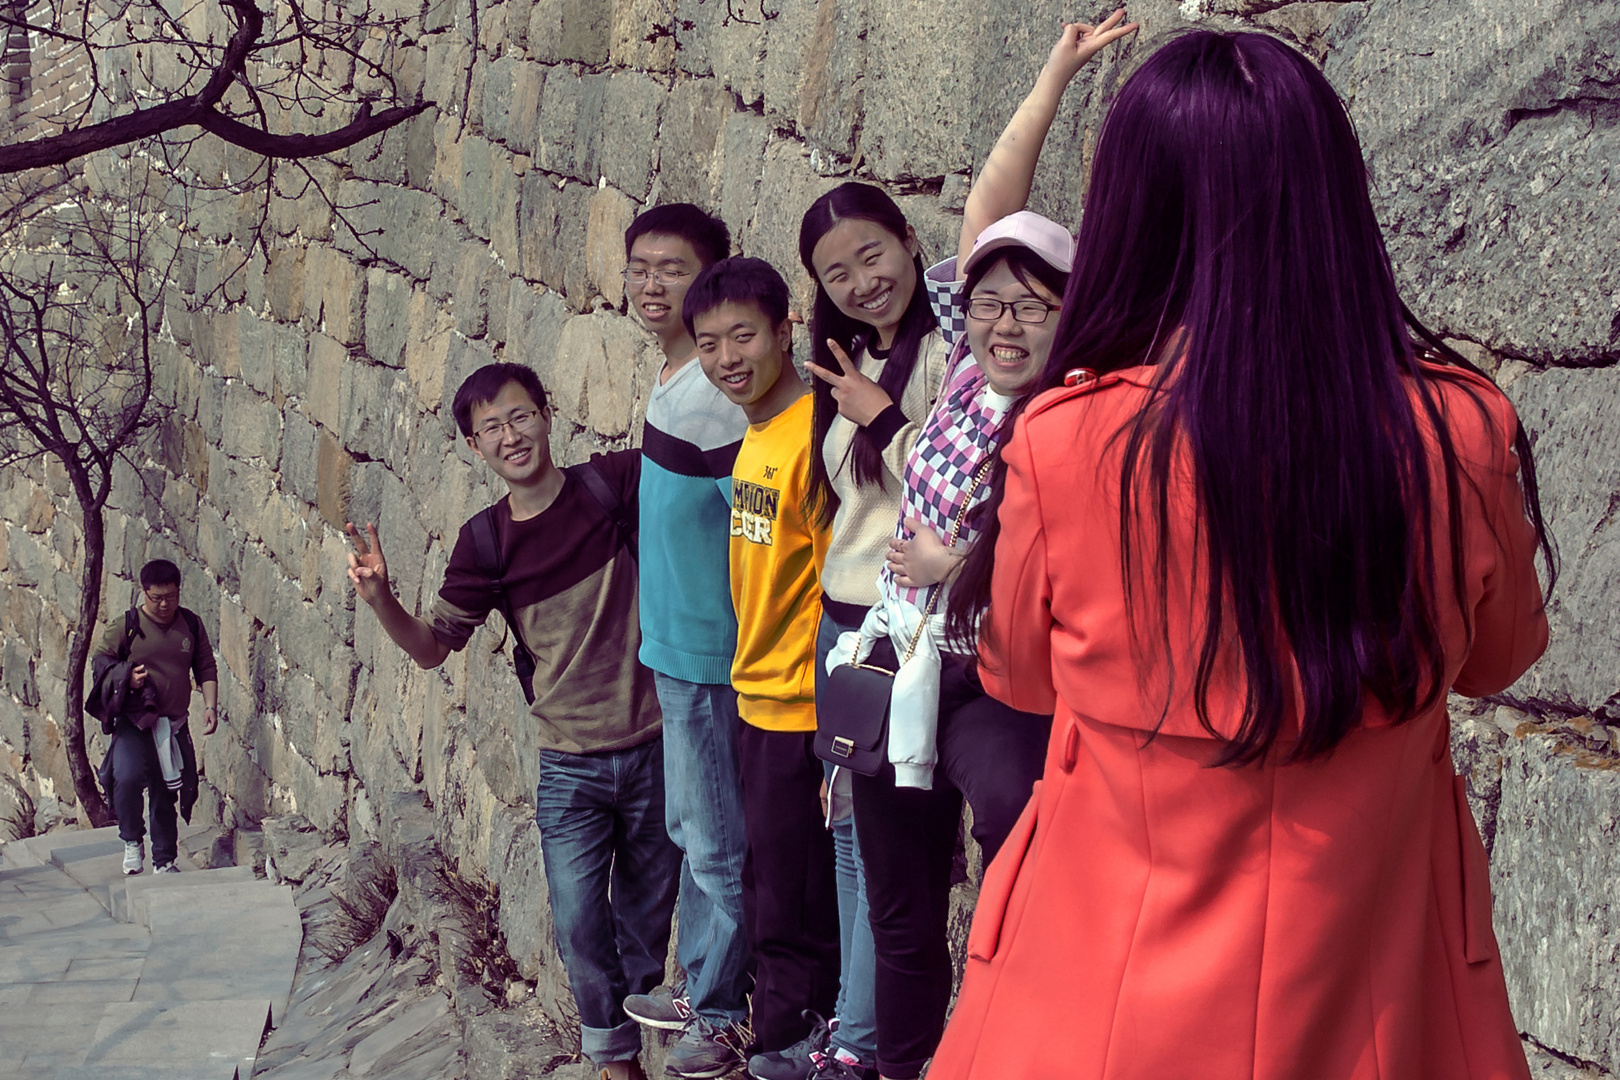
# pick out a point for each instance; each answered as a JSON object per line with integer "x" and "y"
{"x": 367, "y": 567}
{"x": 1079, "y": 42}
{"x": 859, "y": 399}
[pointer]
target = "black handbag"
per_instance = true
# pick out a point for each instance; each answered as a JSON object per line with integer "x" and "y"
{"x": 852, "y": 724}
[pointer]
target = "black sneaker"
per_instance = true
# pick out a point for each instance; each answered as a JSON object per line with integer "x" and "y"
{"x": 706, "y": 1049}
{"x": 663, "y": 1009}
{"x": 797, "y": 1062}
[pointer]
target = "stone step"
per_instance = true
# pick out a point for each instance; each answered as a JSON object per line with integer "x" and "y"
{"x": 127, "y": 896}
{"x": 213, "y": 1038}
{"x": 239, "y": 952}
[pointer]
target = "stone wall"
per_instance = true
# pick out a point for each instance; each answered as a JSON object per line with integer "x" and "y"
{"x": 310, "y": 387}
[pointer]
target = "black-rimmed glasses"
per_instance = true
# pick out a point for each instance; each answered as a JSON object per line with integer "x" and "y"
{"x": 989, "y": 309}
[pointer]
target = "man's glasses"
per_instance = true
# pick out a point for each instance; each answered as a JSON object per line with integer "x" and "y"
{"x": 663, "y": 277}
{"x": 162, "y": 599}
{"x": 989, "y": 309}
{"x": 524, "y": 423}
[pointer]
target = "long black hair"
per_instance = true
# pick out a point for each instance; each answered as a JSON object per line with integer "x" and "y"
{"x": 1229, "y": 237}
{"x": 867, "y": 203}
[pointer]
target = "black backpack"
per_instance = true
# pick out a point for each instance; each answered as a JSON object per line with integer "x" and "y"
{"x": 488, "y": 550}
{"x": 132, "y": 627}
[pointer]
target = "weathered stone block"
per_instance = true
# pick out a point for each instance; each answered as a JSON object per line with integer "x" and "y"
{"x": 252, "y": 425}
{"x": 236, "y": 638}
{"x": 291, "y": 347}
{"x": 563, "y": 30}
{"x": 474, "y": 277}
{"x": 382, "y": 417}
{"x": 688, "y": 133}
{"x": 911, "y": 137}
{"x": 258, "y": 359}
{"x": 552, "y": 224}
{"x": 1553, "y": 868}
{"x": 342, "y": 300}
{"x": 611, "y": 212}
{"x": 473, "y": 193}
{"x": 327, "y": 401}
{"x": 298, "y": 457}
{"x": 743, "y": 140}
{"x": 333, "y": 467}
{"x": 1492, "y": 159}
{"x": 1573, "y": 417}
{"x": 284, "y": 284}
{"x": 388, "y": 298}
{"x": 523, "y": 118}
{"x": 630, "y": 110}
{"x": 218, "y": 546}
{"x": 535, "y": 320}
{"x": 826, "y": 97}
{"x": 571, "y": 124}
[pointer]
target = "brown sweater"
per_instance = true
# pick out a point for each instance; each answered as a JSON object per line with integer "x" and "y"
{"x": 572, "y": 587}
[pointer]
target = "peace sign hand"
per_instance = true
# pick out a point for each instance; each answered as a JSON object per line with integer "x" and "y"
{"x": 1081, "y": 41}
{"x": 367, "y": 568}
{"x": 859, "y": 399}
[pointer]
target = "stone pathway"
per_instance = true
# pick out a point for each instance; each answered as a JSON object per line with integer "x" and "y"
{"x": 108, "y": 977}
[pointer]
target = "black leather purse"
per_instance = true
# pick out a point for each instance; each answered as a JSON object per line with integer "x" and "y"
{"x": 852, "y": 725}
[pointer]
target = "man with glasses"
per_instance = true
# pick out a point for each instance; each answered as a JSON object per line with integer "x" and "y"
{"x": 688, "y": 639}
{"x": 151, "y": 751}
{"x": 560, "y": 568}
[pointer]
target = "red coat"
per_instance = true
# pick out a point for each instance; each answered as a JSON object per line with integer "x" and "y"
{"x": 1152, "y": 917}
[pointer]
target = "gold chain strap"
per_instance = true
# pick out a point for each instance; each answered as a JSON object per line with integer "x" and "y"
{"x": 956, "y": 531}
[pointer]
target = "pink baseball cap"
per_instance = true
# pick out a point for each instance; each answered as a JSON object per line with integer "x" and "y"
{"x": 1045, "y": 237}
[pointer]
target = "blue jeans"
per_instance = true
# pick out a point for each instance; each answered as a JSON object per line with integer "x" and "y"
{"x": 857, "y": 976}
{"x": 612, "y": 875}
{"x": 704, "y": 813}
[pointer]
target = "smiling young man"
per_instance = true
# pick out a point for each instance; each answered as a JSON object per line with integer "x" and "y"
{"x": 568, "y": 585}
{"x": 737, "y": 311}
{"x": 688, "y": 638}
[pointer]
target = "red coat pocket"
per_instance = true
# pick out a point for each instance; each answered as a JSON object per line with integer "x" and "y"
{"x": 999, "y": 878}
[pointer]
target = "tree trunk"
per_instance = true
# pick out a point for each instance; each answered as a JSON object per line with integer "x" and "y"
{"x": 95, "y": 552}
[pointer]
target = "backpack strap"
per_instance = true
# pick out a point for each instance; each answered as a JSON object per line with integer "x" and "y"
{"x": 611, "y": 505}
{"x": 132, "y": 626}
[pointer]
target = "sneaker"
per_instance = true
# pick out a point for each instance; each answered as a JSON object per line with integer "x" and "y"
{"x": 134, "y": 856}
{"x": 167, "y": 868}
{"x": 706, "y": 1049}
{"x": 663, "y": 1009}
{"x": 797, "y": 1062}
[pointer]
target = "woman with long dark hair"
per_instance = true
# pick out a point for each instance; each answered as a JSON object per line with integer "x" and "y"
{"x": 879, "y": 362}
{"x": 1244, "y": 554}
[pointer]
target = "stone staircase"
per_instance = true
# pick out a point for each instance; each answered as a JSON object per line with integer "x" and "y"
{"x": 108, "y": 977}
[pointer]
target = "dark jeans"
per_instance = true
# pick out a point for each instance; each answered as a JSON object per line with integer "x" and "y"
{"x": 612, "y": 874}
{"x": 790, "y": 896}
{"x": 135, "y": 772}
{"x": 992, "y": 754}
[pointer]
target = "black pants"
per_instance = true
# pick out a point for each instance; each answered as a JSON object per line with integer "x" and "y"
{"x": 790, "y": 896}
{"x": 992, "y": 754}
{"x": 135, "y": 772}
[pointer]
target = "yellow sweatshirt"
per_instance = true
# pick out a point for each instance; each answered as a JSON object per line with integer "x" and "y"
{"x": 776, "y": 559}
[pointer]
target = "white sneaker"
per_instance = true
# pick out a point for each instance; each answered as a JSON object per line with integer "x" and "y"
{"x": 134, "y": 856}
